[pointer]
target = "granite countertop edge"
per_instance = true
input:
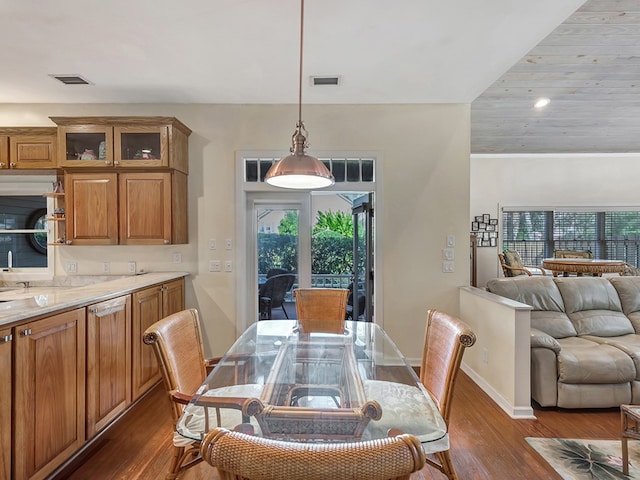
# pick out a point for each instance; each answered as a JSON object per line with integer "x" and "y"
{"x": 17, "y": 311}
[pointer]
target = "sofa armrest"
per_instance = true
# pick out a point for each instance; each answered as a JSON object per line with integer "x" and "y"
{"x": 539, "y": 339}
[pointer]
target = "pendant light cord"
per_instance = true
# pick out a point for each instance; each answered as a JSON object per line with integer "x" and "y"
{"x": 300, "y": 73}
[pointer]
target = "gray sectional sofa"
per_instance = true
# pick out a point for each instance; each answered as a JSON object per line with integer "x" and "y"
{"x": 585, "y": 338}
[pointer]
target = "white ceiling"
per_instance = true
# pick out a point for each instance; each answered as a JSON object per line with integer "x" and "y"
{"x": 246, "y": 51}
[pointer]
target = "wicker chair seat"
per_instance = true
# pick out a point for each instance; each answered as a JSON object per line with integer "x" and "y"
{"x": 404, "y": 408}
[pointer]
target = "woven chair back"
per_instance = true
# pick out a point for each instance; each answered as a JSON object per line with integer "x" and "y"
{"x": 446, "y": 338}
{"x": 321, "y": 309}
{"x": 177, "y": 343}
{"x": 238, "y": 456}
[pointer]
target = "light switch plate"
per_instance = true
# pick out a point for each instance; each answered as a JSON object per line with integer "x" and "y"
{"x": 447, "y": 254}
{"x": 228, "y": 266}
{"x": 451, "y": 240}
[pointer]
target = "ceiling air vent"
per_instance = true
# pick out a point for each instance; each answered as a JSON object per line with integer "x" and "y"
{"x": 71, "y": 79}
{"x": 325, "y": 80}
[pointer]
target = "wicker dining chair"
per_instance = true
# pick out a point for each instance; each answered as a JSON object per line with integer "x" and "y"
{"x": 177, "y": 342}
{"x": 238, "y": 456}
{"x": 321, "y": 309}
{"x": 446, "y": 338}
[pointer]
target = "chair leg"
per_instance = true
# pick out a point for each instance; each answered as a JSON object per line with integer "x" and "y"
{"x": 178, "y": 463}
{"x": 174, "y": 468}
{"x": 447, "y": 465}
{"x": 285, "y": 312}
{"x": 443, "y": 463}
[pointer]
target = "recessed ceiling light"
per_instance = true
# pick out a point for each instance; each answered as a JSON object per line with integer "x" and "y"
{"x": 542, "y": 102}
{"x": 70, "y": 79}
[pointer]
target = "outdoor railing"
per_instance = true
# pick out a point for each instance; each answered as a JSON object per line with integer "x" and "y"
{"x": 318, "y": 280}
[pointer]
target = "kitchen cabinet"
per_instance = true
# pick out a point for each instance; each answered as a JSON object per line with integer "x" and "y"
{"x": 123, "y": 142}
{"x": 91, "y": 208}
{"x": 132, "y": 208}
{"x": 108, "y": 361}
{"x": 28, "y": 148}
{"x": 49, "y": 393}
{"x": 149, "y": 306}
{"x": 6, "y": 341}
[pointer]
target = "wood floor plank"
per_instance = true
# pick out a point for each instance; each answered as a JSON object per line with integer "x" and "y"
{"x": 486, "y": 444}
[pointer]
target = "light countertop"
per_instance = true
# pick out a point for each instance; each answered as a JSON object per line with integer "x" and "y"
{"x": 41, "y": 300}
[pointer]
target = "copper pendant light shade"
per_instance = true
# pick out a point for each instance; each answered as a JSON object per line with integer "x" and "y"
{"x": 299, "y": 170}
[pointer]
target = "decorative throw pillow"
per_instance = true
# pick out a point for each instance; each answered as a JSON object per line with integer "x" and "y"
{"x": 512, "y": 258}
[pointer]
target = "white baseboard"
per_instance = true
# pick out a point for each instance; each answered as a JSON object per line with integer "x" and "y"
{"x": 523, "y": 412}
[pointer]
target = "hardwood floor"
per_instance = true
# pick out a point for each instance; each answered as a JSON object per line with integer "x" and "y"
{"x": 485, "y": 442}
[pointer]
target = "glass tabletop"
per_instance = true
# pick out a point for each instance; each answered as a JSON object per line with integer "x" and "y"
{"x": 313, "y": 387}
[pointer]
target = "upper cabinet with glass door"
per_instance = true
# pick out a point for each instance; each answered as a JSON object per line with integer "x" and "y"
{"x": 123, "y": 142}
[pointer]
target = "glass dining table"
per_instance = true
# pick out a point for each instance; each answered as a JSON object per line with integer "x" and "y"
{"x": 280, "y": 383}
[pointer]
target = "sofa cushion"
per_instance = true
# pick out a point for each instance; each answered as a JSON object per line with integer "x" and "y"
{"x": 593, "y": 306}
{"x": 585, "y": 361}
{"x": 629, "y": 344}
{"x": 542, "y": 294}
{"x": 628, "y": 289}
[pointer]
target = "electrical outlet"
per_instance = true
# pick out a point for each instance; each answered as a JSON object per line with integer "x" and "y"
{"x": 228, "y": 244}
{"x": 228, "y": 266}
{"x": 213, "y": 244}
{"x": 177, "y": 257}
{"x": 132, "y": 267}
{"x": 448, "y": 267}
{"x": 72, "y": 267}
{"x": 106, "y": 268}
{"x": 215, "y": 266}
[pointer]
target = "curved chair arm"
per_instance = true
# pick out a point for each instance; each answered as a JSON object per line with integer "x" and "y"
{"x": 540, "y": 269}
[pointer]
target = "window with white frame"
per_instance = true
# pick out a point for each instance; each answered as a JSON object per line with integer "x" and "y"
{"x": 344, "y": 169}
{"x": 24, "y": 230}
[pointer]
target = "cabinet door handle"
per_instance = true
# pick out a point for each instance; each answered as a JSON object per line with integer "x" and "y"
{"x": 167, "y": 242}
{"x": 2, "y": 164}
{"x": 116, "y": 162}
{"x": 12, "y": 164}
{"x": 6, "y": 338}
{"x": 26, "y": 332}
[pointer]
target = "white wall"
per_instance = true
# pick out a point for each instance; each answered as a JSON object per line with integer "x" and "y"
{"x": 426, "y": 197}
{"x": 547, "y": 181}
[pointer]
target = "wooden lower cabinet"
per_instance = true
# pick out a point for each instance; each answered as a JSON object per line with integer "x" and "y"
{"x": 5, "y": 402}
{"x": 49, "y": 401}
{"x": 108, "y": 361}
{"x": 149, "y": 306}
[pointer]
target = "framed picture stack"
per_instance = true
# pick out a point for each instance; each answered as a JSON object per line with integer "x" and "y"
{"x": 485, "y": 229}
